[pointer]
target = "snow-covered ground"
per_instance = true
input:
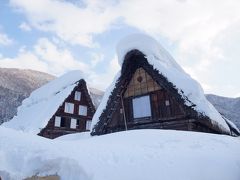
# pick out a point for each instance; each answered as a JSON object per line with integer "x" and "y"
{"x": 131, "y": 155}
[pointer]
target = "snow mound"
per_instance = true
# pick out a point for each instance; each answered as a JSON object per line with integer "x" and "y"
{"x": 128, "y": 155}
{"x": 35, "y": 111}
{"x": 74, "y": 136}
{"x": 25, "y": 155}
{"x": 188, "y": 88}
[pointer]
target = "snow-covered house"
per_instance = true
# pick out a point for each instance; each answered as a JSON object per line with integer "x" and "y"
{"x": 152, "y": 91}
{"x": 60, "y": 107}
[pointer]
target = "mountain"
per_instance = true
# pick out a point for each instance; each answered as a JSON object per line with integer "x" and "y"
{"x": 96, "y": 96}
{"x": 229, "y": 107}
{"x": 16, "y": 85}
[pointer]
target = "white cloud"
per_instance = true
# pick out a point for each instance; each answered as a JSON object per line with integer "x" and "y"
{"x": 70, "y": 22}
{"x": 96, "y": 58}
{"x": 25, "y": 27}
{"x": 195, "y": 27}
{"x": 192, "y": 25}
{"x": 5, "y": 40}
{"x": 46, "y": 57}
{"x": 26, "y": 60}
{"x": 102, "y": 80}
{"x": 58, "y": 59}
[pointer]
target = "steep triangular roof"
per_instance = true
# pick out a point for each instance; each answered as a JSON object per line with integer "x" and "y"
{"x": 181, "y": 84}
{"x": 41, "y": 105}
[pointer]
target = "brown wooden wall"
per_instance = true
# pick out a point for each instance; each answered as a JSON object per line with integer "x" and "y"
{"x": 163, "y": 116}
{"x": 159, "y": 109}
{"x": 50, "y": 131}
{"x": 160, "y": 112}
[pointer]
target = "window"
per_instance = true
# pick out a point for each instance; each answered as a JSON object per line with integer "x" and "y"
{"x": 78, "y": 122}
{"x": 69, "y": 107}
{"x": 88, "y": 125}
{"x": 57, "y": 122}
{"x": 141, "y": 107}
{"x": 167, "y": 103}
{"x": 63, "y": 122}
{"x": 77, "y": 96}
{"x": 73, "y": 124}
{"x": 82, "y": 110}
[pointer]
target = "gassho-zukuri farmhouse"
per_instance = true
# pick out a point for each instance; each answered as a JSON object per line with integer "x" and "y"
{"x": 152, "y": 91}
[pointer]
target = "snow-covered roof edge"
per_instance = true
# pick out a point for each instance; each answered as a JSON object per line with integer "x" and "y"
{"x": 232, "y": 126}
{"x": 104, "y": 101}
{"x": 189, "y": 89}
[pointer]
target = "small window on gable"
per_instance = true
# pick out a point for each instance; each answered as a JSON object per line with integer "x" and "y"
{"x": 77, "y": 96}
{"x": 69, "y": 107}
{"x": 57, "y": 122}
{"x": 73, "y": 124}
{"x": 88, "y": 124}
{"x": 167, "y": 103}
{"x": 82, "y": 110}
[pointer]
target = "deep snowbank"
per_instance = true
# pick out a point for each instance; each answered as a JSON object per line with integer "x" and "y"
{"x": 140, "y": 154}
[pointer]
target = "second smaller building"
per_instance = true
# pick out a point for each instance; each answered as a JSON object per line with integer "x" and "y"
{"x": 74, "y": 115}
{"x": 62, "y": 106}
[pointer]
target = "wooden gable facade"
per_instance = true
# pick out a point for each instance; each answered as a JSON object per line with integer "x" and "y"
{"x": 74, "y": 115}
{"x": 144, "y": 99}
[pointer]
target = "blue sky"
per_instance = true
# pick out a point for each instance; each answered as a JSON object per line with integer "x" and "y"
{"x": 56, "y": 36}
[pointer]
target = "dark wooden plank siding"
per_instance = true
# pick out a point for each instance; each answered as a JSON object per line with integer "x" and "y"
{"x": 50, "y": 131}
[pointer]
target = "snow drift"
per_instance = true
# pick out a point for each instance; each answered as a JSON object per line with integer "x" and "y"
{"x": 128, "y": 155}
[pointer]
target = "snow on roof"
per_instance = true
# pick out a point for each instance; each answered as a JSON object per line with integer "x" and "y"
{"x": 35, "y": 111}
{"x": 232, "y": 125}
{"x": 188, "y": 88}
